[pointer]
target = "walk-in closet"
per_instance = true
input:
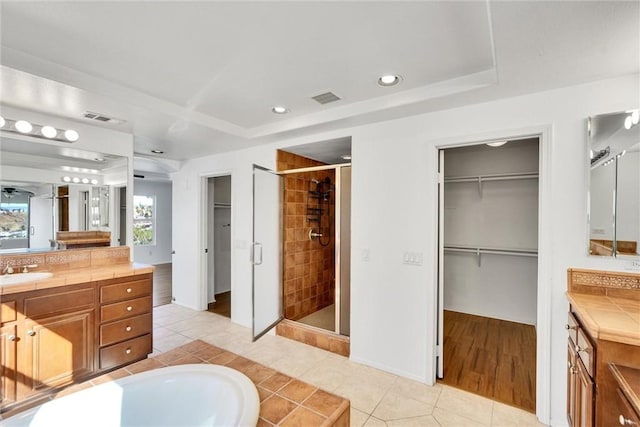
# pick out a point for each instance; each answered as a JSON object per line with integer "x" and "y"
{"x": 489, "y": 269}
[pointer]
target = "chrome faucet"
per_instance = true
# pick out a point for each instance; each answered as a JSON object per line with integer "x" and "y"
{"x": 8, "y": 269}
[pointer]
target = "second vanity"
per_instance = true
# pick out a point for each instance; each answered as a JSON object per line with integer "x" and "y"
{"x": 93, "y": 315}
{"x": 603, "y": 358}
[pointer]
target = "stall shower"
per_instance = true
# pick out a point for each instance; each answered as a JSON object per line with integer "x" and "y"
{"x": 315, "y": 253}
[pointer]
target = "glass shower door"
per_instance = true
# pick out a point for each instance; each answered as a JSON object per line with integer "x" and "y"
{"x": 266, "y": 250}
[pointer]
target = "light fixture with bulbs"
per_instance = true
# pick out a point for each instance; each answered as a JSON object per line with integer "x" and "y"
{"x": 632, "y": 119}
{"x": 24, "y": 127}
{"x": 78, "y": 180}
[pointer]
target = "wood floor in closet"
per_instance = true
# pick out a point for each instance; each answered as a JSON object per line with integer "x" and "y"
{"x": 222, "y": 306}
{"x": 491, "y": 357}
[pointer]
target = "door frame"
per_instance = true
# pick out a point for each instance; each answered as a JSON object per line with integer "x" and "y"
{"x": 543, "y": 319}
{"x": 202, "y": 234}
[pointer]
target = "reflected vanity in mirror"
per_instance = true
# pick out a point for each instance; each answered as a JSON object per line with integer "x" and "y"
{"x": 614, "y": 184}
{"x": 48, "y": 194}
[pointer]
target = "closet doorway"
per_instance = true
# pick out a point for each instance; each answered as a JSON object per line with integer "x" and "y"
{"x": 218, "y": 251}
{"x": 488, "y": 269}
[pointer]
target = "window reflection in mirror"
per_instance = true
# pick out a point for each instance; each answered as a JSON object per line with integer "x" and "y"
{"x": 614, "y": 190}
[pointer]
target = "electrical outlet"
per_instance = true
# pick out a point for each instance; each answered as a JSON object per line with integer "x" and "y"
{"x": 598, "y": 231}
{"x": 632, "y": 266}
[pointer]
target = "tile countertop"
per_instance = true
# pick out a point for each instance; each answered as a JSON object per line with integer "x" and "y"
{"x": 608, "y": 318}
{"x": 78, "y": 275}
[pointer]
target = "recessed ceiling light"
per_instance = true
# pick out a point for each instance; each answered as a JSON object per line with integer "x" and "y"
{"x": 496, "y": 143}
{"x": 157, "y": 151}
{"x": 389, "y": 80}
{"x": 279, "y": 109}
{"x": 346, "y": 157}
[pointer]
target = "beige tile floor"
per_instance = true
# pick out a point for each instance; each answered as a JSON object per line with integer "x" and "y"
{"x": 377, "y": 397}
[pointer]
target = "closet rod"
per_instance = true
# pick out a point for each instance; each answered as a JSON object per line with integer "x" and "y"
{"x": 493, "y": 251}
{"x": 493, "y": 177}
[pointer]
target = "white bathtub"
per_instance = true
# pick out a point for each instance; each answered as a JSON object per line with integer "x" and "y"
{"x": 183, "y": 395}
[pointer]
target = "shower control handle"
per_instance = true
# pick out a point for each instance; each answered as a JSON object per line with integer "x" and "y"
{"x": 313, "y": 234}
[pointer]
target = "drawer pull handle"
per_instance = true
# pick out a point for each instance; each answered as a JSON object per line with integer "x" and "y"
{"x": 567, "y": 327}
{"x": 11, "y": 338}
{"x": 580, "y": 349}
{"x": 625, "y": 421}
{"x": 31, "y": 332}
{"x": 128, "y": 351}
{"x": 129, "y": 290}
{"x": 128, "y": 329}
{"x": 129, "y": 308}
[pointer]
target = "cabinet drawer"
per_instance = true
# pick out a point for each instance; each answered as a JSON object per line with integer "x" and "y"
{"x": 7, "y": 311}
{"x": 121, "y": 310}
{"x": 127, "y": 290}
{"x": 59, "y": 302}
{"x": 572, "y": 327}
{"x": 125, "y": 329}
{"x": 125, "y": 352}
{"x": 626, "y": 415}
{"x": 585, "y": 352}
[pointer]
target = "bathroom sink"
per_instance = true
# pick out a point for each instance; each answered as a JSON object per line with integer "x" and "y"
{"x": 17, "y": 278}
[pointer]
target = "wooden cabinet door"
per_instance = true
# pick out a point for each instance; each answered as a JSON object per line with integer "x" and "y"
{"x": 584, "y": 396}
{"x": 571, "y": 385}
{"x": 8, "y": 363}
{"x": 58, "y": 350}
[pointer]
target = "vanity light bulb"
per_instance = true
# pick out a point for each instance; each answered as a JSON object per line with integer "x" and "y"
{"x": 94, "y": 181}
{"x": 85, "y": 180}
{"x": 635, "y": 117}
{"x": 66, "y": 178}
{"x": 2, "y": 122}
{"x": 23, "y": 126}
{"x": 76, "y": 179}
{"x": 48, "y": 131}
{"x": 628, "y": 122}
{"x": 71, "y": 135}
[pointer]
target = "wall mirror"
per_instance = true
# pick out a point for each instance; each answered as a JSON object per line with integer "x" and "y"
{"x": 48, "y": 188}
{"x": 614, "y": 184}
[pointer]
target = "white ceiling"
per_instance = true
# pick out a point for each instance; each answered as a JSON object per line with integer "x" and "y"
{"x": 196, "y": 78}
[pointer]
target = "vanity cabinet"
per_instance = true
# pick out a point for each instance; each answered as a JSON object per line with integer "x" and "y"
{"x": 55, "y": 337}
{"x": 580, "y": 383}
{"x": 125, "y": 320}
{"x": 592, "y": 392}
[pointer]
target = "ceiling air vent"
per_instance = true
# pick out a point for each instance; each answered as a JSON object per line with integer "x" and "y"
{"x": 327, "y": 97}
{"x": 101, "y": 117}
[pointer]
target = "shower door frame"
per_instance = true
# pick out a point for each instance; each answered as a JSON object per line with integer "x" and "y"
{"x": 337, "y": 220}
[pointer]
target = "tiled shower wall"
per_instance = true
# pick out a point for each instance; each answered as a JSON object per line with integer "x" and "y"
{"x": 309, "y": 282}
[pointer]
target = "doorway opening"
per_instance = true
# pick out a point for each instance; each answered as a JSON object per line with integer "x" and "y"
{"x": 488, "y": 269}
{"x": 218, "y": 250}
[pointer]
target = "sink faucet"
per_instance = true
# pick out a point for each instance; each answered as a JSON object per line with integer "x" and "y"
{"x": 26, "y": 268}
{"x": 8, "y": 269}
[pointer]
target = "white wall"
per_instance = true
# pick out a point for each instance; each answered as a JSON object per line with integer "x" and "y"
{"x": 393, "y": 305}
{"x": 160, "y": 251}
